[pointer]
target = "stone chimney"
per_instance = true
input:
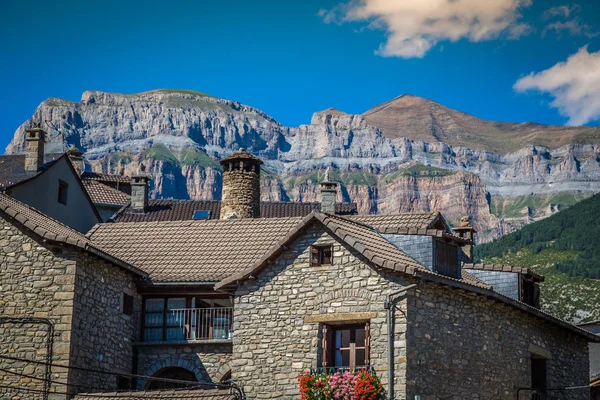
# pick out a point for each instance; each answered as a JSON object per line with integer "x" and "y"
{"x": 76, "y": 158}
{"x": 139, "y": 191}
{"x": 35, "y": 138}
{"x": 240, "y": 197}
{"x": 466, "y": 231}
{"x": 328, "y": 194}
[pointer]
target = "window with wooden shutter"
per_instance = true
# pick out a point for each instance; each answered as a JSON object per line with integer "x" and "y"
{"x": 346, "y": 346}
{"x": 321, "y": 255}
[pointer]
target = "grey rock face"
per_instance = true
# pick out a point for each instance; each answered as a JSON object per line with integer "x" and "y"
{"x": 179, "y": 135}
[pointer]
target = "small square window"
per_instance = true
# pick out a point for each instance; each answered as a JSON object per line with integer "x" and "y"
{"x": 321, "y": 255}
{"x": 127, "y": 304}
{"x": 123, "y": 383}
{"x": 62, "y": 192}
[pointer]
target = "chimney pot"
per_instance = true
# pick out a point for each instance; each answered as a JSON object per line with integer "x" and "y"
{"x": 76, "y": 158}
{"x": 240, "y": 197}
{"x": 328, "y": 194}
{"x": 139, "y": 192}
{"x": 35, "y": 138}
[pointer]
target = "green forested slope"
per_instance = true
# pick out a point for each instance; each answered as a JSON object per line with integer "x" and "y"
{"x": 565, "y": 248}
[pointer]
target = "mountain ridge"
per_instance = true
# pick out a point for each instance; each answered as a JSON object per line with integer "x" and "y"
{"x": 175, "y": 133}
{"x": 496, "y": 136}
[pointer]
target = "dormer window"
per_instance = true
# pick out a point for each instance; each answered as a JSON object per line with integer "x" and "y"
{"x": 321, "y": 255}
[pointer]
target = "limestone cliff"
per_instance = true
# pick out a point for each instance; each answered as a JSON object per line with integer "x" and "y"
{"x": 380, "y": 158}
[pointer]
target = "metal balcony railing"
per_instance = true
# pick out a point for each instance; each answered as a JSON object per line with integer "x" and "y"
{"x": 202, "y": 323}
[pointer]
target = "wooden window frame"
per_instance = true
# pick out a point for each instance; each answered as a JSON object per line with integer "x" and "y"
{"x": 317, "y": 255}
{"x": 63, "y": 192}
{"x": 329, "y": 349}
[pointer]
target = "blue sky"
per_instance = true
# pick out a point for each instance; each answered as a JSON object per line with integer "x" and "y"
{"x": 292, "y": 58}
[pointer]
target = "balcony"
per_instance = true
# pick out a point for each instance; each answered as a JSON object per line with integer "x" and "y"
{"x": 188, "y": 324}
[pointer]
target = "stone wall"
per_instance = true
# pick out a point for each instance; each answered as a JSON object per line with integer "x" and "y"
{"x": 210, "y": 362}
{"x": 49, "y": 284}
{"x": 419, "y": 247}
{"x": 241, "y": 194}
{"x": 278, "y": 317}
{"x": 463, "y": 345}
{"x": 35, "y": 282}
{"x": 102, "y": 335}
{"x": 506, "y": 283}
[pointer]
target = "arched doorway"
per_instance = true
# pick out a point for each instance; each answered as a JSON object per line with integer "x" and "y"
{"x": 178, "y": 373}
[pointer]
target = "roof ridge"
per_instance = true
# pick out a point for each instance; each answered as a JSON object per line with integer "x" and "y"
{"x": 4, "y": 197}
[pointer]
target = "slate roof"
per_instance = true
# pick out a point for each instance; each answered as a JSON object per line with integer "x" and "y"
{"x": 101, "y": 193}
{"x": 12, "y": 168}
{"x": 180, "y": 210}
{"x": 173, "y": 394}
{"x": 52, "y": 230}
{"x": 505, "y": 268}
{"x": 467, "y": 277}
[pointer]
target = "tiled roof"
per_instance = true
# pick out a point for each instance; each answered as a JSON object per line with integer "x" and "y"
{"x": 95, "y": 176}
{"x": 465, "y": 285}
{"x": 101, "y": 193}
{"x": 172, "y": 394}
{"x": 391, "y": 223}
{"x": 505, "y": 268}
{"x": 52, "y": 230}
{"x": 362, "y": 238}
{"x": 12, "y": 168}
{"x": 192, "y": 250}
{"x": 430, "y": 224}
{"x": 180, "y": 210}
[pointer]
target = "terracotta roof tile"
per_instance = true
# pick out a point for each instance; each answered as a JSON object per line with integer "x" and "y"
{"x": 100, "y": 193}
{"x": 192, "y": 250}
{"x": 53, "y": 230}
{"x": 178, "y": 210}
{"x": 404, "y": 222}
{"x": 362, "y": 238}
{"x": 100, "y": 177}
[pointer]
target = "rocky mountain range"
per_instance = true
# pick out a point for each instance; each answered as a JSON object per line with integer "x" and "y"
{"x": 409, "y": 154}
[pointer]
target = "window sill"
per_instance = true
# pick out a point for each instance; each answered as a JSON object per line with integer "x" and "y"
{"x": 183, "y": 342}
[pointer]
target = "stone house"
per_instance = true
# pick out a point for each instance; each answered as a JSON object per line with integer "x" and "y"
{"x": 25, "y": 177}
{"x": 262, "y": 300}
{"x": 594, "y": 327}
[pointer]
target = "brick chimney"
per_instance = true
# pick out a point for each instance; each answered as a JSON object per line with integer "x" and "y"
{"x": 139, "y": 191}
{"x": 240, "y": 197}
{"x": 35, "y": 138}
{"x": 466, "y": 231}
{"x": 328, "y": 194}
{"x": 76, "y": 158}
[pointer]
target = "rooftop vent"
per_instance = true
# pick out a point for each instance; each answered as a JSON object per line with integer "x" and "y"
{"x": 201, "y": 214}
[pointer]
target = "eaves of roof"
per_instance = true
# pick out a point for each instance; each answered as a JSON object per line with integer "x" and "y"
{"x": 455, "y": 283}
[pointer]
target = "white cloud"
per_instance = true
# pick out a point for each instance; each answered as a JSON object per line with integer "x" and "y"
{"x": 574, "y": 84}
{"x": 414, "y": 26}
{"x": 561, "y": 11}
{"x": 573, "y": 26}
